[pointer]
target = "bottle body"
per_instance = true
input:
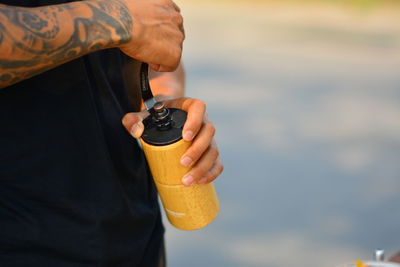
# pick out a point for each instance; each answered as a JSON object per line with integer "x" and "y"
{"x": 187, "y": 207}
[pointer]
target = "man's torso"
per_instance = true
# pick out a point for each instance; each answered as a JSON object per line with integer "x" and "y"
{"x": 74, "y": 185}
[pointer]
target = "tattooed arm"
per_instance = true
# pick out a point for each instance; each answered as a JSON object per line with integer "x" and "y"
{"x": 33, "y": 40}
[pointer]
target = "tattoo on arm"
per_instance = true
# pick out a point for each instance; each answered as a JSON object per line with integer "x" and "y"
{"x": 33, "y": 40}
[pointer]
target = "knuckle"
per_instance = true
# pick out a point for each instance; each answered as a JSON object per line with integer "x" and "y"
{"x": 182, "y": 35}
{"x": 208, "y": 178}
{"x": 212, "y": 176}
{"x": 125, "y": 120}
{"x": 201, "y": 103}
{"x": 213, "y": 173}
{"x": 221, "y": 168}
{"x": 195, "y": 153}
{"x": 173, "y": 60}
{"x": 214, "y": 153}
{"x": 213, "y": 130}
{"x": 178, "y": 54}
{"x": 216, "y": 172}
{"x": 175, "y": 57}
{"x": 179, "y": 19}
{"x": 210, "y": 128}
{"x": 128, "y": 119}
{"x": 198, "y": 173}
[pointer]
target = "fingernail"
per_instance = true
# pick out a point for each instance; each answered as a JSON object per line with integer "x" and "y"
{"x": 203, "y": 180}
{"x": 188, "y": 180}
{"x": 188, "y": 135}
{"x": 135, "y": 130}
{"x": 186, "y": 161}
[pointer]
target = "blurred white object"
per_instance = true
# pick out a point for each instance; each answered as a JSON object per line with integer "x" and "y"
{"x": 379, "y": 255}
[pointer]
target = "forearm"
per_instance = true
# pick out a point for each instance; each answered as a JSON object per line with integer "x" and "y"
{"x": 33, "y": 40}
{"x": 168, "y": 84}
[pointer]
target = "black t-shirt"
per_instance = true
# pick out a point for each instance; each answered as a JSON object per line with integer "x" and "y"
{"x": 75, "y": 189}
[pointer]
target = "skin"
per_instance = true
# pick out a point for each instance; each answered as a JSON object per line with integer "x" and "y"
{"x": 34, "y": 40}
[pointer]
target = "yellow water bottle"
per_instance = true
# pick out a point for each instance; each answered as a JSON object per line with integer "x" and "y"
{"x": 187, "y": 207}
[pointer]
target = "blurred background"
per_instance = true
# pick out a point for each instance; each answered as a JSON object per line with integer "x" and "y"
{"x": 305, "y": 96}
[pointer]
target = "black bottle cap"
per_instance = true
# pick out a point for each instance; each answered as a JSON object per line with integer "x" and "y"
{"x": 165, "y": 132}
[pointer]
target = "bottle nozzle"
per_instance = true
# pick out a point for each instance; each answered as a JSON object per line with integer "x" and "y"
{"x": 160, "y": 112}
{"x": 160, "y": 115}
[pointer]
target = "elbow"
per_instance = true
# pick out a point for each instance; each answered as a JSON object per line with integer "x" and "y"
{"x": 6, "y": 79}
{"x": 3, "y": 84}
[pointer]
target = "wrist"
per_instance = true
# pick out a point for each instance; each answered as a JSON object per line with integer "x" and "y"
{"x": 119, "y": 11}
{"x": 110, "y": 24}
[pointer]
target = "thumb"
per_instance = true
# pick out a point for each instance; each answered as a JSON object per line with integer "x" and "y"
{"x": 133, "y": 122}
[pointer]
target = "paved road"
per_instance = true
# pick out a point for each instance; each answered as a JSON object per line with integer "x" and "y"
{"x": 306, "y": 100}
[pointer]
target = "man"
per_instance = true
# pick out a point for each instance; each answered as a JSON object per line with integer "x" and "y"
{"x": 75, "y": 189}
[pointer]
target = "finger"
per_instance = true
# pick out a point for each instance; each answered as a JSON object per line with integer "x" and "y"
{"x": 204, "y": 164}
{"x": 171, "y": 59}
{"x": 199, "y": 145}
{"x": 195, "y": 116}
{"x": 213, "y": 173}
{"x": 133, "y": 122}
